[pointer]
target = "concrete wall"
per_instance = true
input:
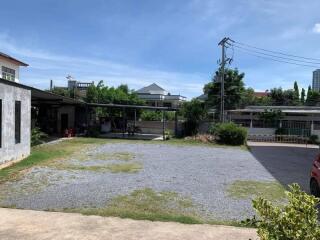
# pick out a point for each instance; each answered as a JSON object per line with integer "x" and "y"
{"x": 10, "y": 151}
{"x": 11, "y": 65}
{"x": 155, "y": 127}
{"x": 261, "y": 131}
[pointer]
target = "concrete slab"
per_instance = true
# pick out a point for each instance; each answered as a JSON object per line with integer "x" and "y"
{"x": 26, "y": 224}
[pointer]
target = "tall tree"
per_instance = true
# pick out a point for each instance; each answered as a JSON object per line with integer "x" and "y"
{"x": 234, "y": 90}
{"x": 308, "y": 94}
{"x": 303, "y": 96}
{"x": 296, "y": 92}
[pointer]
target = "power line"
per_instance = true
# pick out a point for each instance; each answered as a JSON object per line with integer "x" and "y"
{"x": 272, "y": 55}
{"x": 276, "y": 52}
{"x": 277, "y": 60}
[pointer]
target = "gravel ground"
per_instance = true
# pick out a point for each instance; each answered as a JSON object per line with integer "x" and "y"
{"x": 202, "y": 173}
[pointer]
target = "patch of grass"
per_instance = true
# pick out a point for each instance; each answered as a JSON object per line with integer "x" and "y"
{"x": 41, "y": 154}
{"x": 122, "y": 156}
{"x": 146, "y": 204}
{"x": 193, "y": 142}
{"x": 124, "y": 167}
{"x": 270, "y": 190}
{"x": 114, "y": 168}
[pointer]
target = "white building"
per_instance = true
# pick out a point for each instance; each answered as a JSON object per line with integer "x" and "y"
{"x": 316, "y": 80}
{"x": 9, "y": 67}
{"x": 15, "y": 112}
{"x": 156, "y": 96}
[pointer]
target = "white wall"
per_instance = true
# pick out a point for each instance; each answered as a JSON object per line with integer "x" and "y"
{"x": 261, "y": 131}
{"x": 11, "y": 65}
{"x": 10, "y": 151}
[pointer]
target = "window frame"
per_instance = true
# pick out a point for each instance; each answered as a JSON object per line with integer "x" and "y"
{"x": 8, "y": 73}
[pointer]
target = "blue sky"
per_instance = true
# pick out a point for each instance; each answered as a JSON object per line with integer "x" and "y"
{"x": 172, "y": 43}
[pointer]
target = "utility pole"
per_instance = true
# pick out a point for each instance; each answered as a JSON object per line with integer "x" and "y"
{"x": 222, "y": 43}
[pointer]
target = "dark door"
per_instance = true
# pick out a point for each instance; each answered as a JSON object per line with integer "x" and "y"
{"x": 64, "y": 121}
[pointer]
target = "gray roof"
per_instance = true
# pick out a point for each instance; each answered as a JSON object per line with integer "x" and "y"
{"x": 284, "y": 109}
{"x": 150, "y": 88}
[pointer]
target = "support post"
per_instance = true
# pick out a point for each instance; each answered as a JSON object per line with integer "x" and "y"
{"x": 223, "y": 62}
{"x": 135, "y": 118}
{"x": 123, "y": 122}
{"x": 163, "y": 126}
{"x": 87, "y": 119}
{"x": 176, "y": 123}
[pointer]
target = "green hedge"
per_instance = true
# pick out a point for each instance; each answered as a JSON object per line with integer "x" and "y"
{"x": 229, "y": 133}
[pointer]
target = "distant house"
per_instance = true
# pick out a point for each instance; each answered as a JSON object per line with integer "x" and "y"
{"x": 15, "y": 111}
{"x": 156, "y": 96}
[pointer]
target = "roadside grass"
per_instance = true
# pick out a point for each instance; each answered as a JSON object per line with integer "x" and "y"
{"x": 270, "y": 190}
{"x": 146, "y": 204}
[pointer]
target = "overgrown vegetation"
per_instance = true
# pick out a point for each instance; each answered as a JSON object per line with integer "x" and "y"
{"x": 193, "y": 112}
{"x": 37, "y": 137}
{"x": 298, "y": 220}
{"x": 229, "y": 133}
{"x": 148, "y": 115}
{"x": 246, "y": 189}
{"x": 146, "y": 204}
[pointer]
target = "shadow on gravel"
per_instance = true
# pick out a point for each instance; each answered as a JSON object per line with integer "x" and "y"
{"x": 287, "y": 164}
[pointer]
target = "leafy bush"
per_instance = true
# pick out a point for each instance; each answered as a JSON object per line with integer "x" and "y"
{"x": 314, "y": 139}
{"x": 37, "y": 137}
{"x": 281, "y": 131}
{"x": 229, "y": 133}
{"x": 94, "y": 131}
{"x": 168, "y": 134}
{"x": 148, "y": 115}
{"x": 298, "y": 220}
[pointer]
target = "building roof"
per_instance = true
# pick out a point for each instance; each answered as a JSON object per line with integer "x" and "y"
{"x": 6, "y": 56}
{"x": 284, "y": 109}
{"x": 151, "y": 88}
{"x": 202, "y": 97}
{"x": 260, "y": 94}
{"x": 38, "y": 95}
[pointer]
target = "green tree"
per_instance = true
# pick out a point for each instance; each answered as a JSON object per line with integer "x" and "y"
{"x": 308, "y": 94}
{"x": 296, "y": 92}
{"x": 303, "y": 96}
{"x": 313, "y": 98}
{"x": 234, "y": 90}
{"x": 193, "y": 112}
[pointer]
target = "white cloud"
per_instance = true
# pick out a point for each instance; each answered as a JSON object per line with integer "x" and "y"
{"x": 316, "y": 28}
{"x": 45, "y": 65}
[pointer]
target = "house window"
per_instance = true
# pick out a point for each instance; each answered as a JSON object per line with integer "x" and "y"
{"x": 8, "y": 73}
{"x": 0, "y": 123}
{"x": 17, "y": 122}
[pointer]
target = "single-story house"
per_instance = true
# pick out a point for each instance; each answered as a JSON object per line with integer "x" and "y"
{"x": 294, "y": 120}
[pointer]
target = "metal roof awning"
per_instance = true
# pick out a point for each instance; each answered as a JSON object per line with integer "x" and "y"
{"x": 112, "y": 105}
{"x": 39, "y": 96}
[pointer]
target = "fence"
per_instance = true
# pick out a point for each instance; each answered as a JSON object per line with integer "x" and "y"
{"x": 278, "y": 138}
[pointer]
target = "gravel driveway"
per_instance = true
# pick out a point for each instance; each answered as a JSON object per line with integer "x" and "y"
{"x": 199, "y": 172}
